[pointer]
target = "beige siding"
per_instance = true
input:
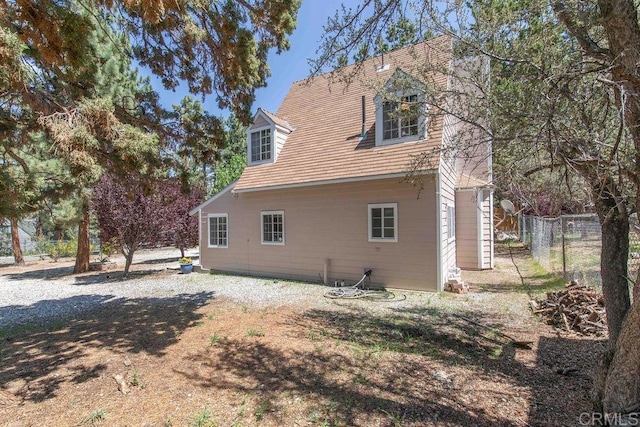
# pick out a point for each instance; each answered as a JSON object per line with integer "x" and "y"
{"x": 330, "y": 222}
{"x": 467, "y": 229}
{"x": 448, "y": 179}
{"x": 281, "y": 138}
{"x": 474, "y": 243}
{"x": 474, "y": 145}
{"x": 487, "y": 229}
{"x": 474, "y": 232}
{"x": 447, "y": 199}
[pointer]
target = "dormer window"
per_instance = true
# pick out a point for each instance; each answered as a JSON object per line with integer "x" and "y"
{"x": 261, "y": 145}
{"x": 400, "y": 110}
{"x": 400, "y": 119}
{"x": 266, "y": 137}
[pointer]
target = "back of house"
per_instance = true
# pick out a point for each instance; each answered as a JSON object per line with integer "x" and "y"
{"x": 348, "y": 175}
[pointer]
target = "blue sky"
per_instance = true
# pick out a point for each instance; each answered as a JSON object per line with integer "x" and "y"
{"x": 285, "y": 68}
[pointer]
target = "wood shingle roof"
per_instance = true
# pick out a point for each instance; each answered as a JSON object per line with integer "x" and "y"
{"x": 325, "y": 114}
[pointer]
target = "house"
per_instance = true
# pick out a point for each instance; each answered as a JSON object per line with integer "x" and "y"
{"x": 326, "y": 193}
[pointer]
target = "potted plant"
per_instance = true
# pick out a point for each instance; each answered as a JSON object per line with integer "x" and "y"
{"x": 186, "y": 266}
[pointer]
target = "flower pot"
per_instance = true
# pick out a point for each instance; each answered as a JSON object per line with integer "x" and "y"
{"x": 186, "y": 268}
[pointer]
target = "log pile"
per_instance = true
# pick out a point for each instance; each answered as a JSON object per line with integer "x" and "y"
{"x": 577, "y": 308}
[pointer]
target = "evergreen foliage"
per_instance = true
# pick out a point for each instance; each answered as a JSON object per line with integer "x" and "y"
{"x": 216, "y": 47}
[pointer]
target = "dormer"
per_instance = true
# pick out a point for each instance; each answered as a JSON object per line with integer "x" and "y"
{"x": 401, "y": 113}
{"x": 265, "y": 137}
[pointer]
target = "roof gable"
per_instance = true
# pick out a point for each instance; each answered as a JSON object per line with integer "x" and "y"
{"x": 325, "y": 114}
{"x": 399, "y": 82}
{"x": 265, "y": 118}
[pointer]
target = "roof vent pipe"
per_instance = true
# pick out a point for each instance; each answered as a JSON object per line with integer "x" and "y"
{"x": 383, "y": 66}
{"x": 364, "y": 118}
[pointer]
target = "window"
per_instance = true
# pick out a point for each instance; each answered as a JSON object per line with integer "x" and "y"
{"x": 400, "y": 119}
{"x": 272, "y": 227}
{"x": 451, "y": 222}
{"x": 261, "y": 145}
{"x": 383, "y": 222}
{"x": 218, "y": 231}
{"x": 390, "y": 123}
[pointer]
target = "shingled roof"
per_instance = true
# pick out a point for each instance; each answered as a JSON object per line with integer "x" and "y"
{"x": 325, "y": 114}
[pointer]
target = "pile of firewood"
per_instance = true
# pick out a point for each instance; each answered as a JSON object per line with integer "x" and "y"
{"x": 577, "y": 308}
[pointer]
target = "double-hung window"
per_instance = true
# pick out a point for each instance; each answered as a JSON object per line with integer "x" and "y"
{"x": 261, "y": 145}
{"x": 272, "y": 227}
{"x": 218, "y": 230}
{"x": 383, "y": 222}
{"x": 400, "y": 119}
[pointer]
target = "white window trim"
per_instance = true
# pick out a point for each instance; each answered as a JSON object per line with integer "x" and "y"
{"x": 422, "y": 119}
{"x": 372, "y": 206}
{"x": 453, "y": 209}
{"x": 209, "y": 216}
{"x": 251, "y": 131}
{"x": 262, "y": 214}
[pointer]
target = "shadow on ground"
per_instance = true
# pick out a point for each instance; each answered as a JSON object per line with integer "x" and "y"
{"x": 89, "y": 278}
{"x": 163, "y": 260}
{"x": 31, "y": 353}
{"x": 346, "y": 373}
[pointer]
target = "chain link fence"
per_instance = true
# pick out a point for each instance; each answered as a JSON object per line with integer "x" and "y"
{"x": 570, "y": 245}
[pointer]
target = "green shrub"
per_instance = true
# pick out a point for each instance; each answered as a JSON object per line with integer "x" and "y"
{"x": 110, "y": 247}
{"x": 57, "y": 248}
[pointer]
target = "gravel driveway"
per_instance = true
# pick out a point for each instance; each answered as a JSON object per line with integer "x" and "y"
{"x": 44, "y": 290}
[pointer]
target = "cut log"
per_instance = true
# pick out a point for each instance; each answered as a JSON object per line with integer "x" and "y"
{"x": 576, "y": 308}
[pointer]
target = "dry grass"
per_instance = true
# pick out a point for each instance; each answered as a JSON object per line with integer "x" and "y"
{"x": 207, "y": 361}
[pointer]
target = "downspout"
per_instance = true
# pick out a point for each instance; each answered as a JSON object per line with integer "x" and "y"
{"x": 439, "y": 287}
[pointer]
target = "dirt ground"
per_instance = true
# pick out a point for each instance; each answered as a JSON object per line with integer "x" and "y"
{"x": 191, "y": 362}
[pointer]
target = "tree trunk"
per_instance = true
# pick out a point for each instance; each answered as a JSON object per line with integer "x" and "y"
{"x": 83, "y": 253}
{"x": 128, "y": 259}
{"x": 614, "y": 271}
{"x": 39, "y": 229}
{"x": 15, "y": 242}
{"x": 610, "y": 389}
{"x": 181, "y": 252}
{"x": 622, "y": 387}
{"x": 614, "y": 222}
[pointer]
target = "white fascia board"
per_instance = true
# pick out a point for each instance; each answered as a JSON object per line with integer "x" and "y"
{"x": 283, "y": 130}
{"x": 474, "y": 187}
{"x": 214, "y": 197}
